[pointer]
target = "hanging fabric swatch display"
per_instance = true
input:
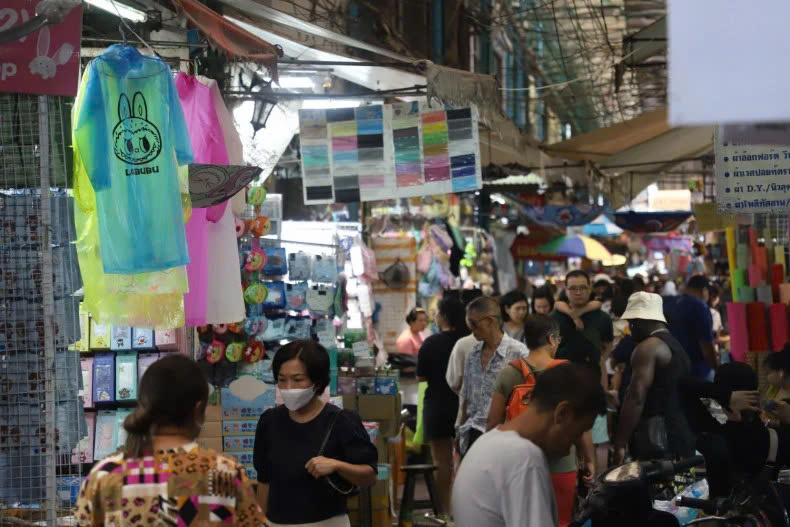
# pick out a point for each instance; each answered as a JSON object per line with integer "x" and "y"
{"x": 385, "y": 151}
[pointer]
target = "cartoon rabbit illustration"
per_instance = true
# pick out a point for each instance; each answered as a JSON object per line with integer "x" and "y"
{"x": 136, "y": 140}
{"x": 44, "y": 65}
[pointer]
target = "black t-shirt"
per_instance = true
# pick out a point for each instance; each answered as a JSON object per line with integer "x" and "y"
{"x": 432, "y": 364}
{"x": 282, "y": 449}
{"x": 584, "y": 346}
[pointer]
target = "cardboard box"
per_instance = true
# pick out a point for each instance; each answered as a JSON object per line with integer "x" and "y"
{"x": 379, "y": 497}
{"x": 211, "y": 429}
{"x": 243, "y": 457}
{"x": 211, "y": 443}
{"x": 379, "y": 407}
{"x": 247, "y": 397}
{"x": 350, "y": 402}
{"x": 381, "y": 518}
{"x": 237, "y": 443}
{"x": 388, "y": 428}
{"x": 213, "y": 413}
{"x": 239, "y": 427}
{"x": 382, "y": 445}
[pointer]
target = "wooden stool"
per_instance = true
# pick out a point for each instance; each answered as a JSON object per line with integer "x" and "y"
{"x": 407, "y": 502}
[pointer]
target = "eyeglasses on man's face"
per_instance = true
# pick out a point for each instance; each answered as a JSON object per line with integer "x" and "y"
{"x": 474, "y": 322}
{"x": 579, "y": 289}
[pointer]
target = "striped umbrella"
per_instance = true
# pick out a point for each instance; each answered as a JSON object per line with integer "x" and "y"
{"x": 579, "y": 246}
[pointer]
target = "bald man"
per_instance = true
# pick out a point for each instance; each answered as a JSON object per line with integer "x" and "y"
{"x": 492, "y": 352}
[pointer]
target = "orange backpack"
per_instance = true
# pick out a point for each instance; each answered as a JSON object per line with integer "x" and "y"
{"x": 519, "y": 397}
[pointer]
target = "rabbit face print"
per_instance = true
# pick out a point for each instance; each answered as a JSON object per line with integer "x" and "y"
{"x": 136, "y": 140}
{"x": 43, "y": 64}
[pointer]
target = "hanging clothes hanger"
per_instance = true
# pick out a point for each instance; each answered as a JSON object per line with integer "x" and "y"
{"x": 123, "y": 35}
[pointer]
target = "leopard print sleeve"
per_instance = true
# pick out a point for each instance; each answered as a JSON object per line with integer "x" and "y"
{"x": 248, "y": 511}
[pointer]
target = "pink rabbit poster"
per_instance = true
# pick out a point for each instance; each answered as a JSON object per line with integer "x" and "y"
{"x": 44, "y": 62}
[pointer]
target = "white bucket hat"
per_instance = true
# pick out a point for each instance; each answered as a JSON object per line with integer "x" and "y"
{"x": 645, "y": 306}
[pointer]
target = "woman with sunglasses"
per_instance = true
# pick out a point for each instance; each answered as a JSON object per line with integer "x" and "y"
{"x": 309, "y": 454}
{"x": 542, "y": 334}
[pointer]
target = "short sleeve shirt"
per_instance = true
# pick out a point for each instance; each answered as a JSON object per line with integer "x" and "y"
{"x": 690, "y": 322}
{"x": 584, "y": 346}
{"x": 479, "y": 383}
{"x": 282, "y": 449}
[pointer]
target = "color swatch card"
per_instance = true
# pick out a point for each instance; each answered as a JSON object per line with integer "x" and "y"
{"x": 388, "y": 151}
{"x": 408, "y": 154}
{"x": 315, "y": 145}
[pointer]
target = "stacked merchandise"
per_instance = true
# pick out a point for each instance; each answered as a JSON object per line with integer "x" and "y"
{"x": 27, "y": 376}
{"x": 758, "y": 317}
{"x": 114, "y": 359}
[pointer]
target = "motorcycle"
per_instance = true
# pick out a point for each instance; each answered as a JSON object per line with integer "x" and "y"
{"x": 623, "y": 496}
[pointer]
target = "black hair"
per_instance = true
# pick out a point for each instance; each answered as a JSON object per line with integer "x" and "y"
{"x": 619, "y": 303}
{"x": 169, "y": 391}
{"x": 576, "y": 273}
{"x": 510, "y": 298}
{"x": 537, "y": 329}
{"x": 310, "y": 353}
{"x": 698, "y": 282}
{"x": 543, "y": 292}
{"x": 779, "y": 361}
{"x": 411, "y": 317}
{"x": 453, "y": 311}
{"x": 609, "y": 293}
{"x": 639, "y": 284}
{"x": 578, "y": 384}
{"x": 737, "y": 376}
{"x": 469, "y": 295}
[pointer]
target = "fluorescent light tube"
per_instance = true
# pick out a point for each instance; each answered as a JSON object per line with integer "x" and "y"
{"x": 130, "y": 13}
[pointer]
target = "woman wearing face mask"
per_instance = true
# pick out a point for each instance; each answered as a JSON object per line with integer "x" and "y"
{"x": 135, "y": 487}
{"x": 302, "y": 485}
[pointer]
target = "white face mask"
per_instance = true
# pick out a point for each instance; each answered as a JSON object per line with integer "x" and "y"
{"x": 297, "y": 398}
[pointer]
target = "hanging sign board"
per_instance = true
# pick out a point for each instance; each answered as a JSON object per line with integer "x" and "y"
{"x": 751, "y": 178}
{"x": 45, "y": 62}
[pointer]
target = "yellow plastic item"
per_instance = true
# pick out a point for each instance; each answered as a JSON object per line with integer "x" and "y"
{"x": 159, "y": 311}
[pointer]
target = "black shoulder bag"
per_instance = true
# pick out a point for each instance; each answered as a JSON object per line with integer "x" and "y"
{"x": 335, "y": 481}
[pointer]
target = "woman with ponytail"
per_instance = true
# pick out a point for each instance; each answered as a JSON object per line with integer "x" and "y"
{"x": 161, "y": 476}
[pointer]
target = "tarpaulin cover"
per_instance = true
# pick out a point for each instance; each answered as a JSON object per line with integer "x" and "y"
{"x": 645, "y": 222}
{"x": 667, "y": 243}
{"x": 228, "y": 36}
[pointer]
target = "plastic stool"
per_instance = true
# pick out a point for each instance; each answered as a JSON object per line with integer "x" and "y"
{"x": 407, "y": 502}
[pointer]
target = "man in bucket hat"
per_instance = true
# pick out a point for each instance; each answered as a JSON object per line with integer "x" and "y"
{"x": 651, "y": 418}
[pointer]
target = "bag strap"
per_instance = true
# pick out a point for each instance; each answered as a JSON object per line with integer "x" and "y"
{"x": 328, "y": 433}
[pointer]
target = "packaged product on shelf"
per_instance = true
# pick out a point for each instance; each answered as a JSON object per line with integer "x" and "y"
{"x": 86, "y": 365}
{"x": 243, "y": 457}
{"x": 105, "y": 440}
{"x": 121, "y": 338}
{"x": 275, "y": 299}
{"x": 346, "y": 384}
{"x": 247, "y": 397}
{"x": 68, "y": 489}
{"x": 120, "y": 431}
{"x": 324, "y": 269}
{"x": 237, "y": 443}
{"x": 99, "y": 336}
{"x": 275, "y": 328}
{"x": 142, "y": 338}
{"x": 298, "y": 328}
{"x": 83, "y": 453}
{"x": 166, "y": 339}
{"x": 83, "y": 344}
{"x": 387, "y": 382}
{"x": 240, "y": 427}
{"x": 104, "y": 378}
{"x": 144, "y": 361}
{"x": 320, "y": 299}
{"x": 366, "y": 385}
{"x": 299, "y": 264}
{"x": 296, "y": 294}
{"x": 126, "y": 376}
{"x": 276, "y": 262}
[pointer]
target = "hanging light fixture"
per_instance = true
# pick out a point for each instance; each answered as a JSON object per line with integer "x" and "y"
{"x": 260, "y": 114}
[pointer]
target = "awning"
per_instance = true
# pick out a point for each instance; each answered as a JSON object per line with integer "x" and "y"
{"x": 230, "y": 37}
{"x": 643, "y": 147}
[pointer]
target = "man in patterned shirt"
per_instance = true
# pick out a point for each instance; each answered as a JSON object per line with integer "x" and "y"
{"x": 492, "y": 352}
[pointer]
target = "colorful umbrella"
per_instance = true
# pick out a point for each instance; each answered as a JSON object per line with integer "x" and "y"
{"x": 617, "y": 259}
{"x": 580, "y": 246}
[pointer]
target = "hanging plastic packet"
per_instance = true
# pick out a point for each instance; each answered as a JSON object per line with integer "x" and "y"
{"x": 299, "y": 266}
{"x": 296, "y": 294}
{"x": 255, "y": 260}
{"x": 276, "y": 297}
{"x": 275, "y": 329}
{"x": 320, "y": 299}
{"x": 324, "y": 269}
{"x": 275, "y": 264}
{"x": 297, "y": 328}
